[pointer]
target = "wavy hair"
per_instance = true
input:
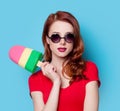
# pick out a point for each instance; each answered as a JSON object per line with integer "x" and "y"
{"x": 75, "y": 63}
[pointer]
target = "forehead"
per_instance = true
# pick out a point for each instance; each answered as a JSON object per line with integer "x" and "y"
{"x": 61, "y": 26}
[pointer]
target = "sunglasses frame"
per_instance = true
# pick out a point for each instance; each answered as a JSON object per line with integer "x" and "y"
{"x": 65, "y": 38}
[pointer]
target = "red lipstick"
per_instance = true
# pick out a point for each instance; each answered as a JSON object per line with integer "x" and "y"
{"x": 61, "y": 49}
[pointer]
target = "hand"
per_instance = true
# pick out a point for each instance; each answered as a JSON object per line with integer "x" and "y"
{"x": 50, "y": 71}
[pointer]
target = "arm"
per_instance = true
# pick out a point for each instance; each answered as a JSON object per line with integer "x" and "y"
{"x": 92, "y": 97}
{"x": 37, "y": 98}
{"x": 52, "y": 102}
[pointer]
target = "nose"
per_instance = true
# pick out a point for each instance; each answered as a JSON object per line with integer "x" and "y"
{"x": 62, "y": 41}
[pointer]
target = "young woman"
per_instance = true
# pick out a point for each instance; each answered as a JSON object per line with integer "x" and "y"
{"x": 66, "y": 82}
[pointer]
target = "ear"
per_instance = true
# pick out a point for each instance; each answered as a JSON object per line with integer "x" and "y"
{"x": 47, "y": 40}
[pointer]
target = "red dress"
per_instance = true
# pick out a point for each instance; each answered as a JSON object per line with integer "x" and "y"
{"x": 72, "y": 97}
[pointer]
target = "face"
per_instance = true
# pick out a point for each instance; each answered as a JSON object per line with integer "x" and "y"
{"x": 63, "y": 46}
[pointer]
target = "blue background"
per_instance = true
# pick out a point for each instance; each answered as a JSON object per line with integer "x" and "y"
{"x": 21, "y": 22}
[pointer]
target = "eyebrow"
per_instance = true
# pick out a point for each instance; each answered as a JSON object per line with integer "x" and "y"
{"x": 56, "y": 32}
{"x": 59, "y": 32}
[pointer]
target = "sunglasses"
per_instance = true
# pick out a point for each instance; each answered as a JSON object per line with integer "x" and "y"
{"x": 55, "y": 38}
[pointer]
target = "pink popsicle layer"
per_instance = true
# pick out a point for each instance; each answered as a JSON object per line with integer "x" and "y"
{"x": 15, "y": 54}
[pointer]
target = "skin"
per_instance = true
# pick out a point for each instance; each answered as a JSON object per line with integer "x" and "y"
{"x": 53, "y": 72}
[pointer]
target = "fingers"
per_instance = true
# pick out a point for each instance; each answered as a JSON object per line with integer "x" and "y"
{"x": 47, "y": 68}
{"x": 43, "y": 67}
{"x": 50, "y": 71}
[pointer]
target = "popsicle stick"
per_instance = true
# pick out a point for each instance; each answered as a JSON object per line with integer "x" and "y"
{"x": 39, "y": 64}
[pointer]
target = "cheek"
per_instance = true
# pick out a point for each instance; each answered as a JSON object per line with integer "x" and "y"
{"x": 52, "y": 46}
{"x": 70, "y": 48}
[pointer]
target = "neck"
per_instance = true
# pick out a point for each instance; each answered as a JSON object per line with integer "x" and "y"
{"x": 57, "y": 62}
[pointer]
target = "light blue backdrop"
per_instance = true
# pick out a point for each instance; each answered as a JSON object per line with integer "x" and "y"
{"x": 21, "y": 22}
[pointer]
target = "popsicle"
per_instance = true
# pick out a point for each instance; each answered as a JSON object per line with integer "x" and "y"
{"x": 25, "y": 57}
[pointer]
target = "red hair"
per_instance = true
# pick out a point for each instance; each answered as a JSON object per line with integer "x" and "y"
{"x": 75, "y": 63}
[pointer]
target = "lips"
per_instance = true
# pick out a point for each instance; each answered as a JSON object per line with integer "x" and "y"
{"x": 61, "y": 49}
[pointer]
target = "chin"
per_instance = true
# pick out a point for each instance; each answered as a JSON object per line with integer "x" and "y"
{"x": 62, "y": 55}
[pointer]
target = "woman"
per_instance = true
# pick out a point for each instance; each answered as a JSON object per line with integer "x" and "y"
{"x": 66, "y": 82}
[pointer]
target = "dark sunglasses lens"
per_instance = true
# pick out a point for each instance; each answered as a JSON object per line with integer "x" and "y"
{"x": 69, "y": 38}
{"x": 55, "y": 38}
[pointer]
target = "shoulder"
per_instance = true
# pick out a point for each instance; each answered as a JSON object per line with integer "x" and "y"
{"x": 90, "y": 64}
{"x": 91, "y": 67}
{"x": 39, "y": 82}
{"x": 36, "y": 76}
{"x": 35, "y": 81}
{"x": 91, "y": 72}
